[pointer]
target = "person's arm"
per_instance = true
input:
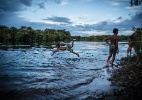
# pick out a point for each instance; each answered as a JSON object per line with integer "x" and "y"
{"x": 106, "y": 39}
{"x": 54, "y": 52}
{"x": 117, "y": 49}
{"x": 129, "y": 43}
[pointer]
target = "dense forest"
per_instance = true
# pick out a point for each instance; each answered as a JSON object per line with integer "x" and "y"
{"x": 26, "y": 35}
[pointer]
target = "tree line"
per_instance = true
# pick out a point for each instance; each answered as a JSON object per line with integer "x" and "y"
{"x": 27, "y": 35}
{"x": 99, "y": 38}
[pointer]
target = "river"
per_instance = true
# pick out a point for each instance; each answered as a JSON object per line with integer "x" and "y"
{"x": 33, "y": 74}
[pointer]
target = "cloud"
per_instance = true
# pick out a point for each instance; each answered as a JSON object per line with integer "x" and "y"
{"x": 59, "y": 19}
{"x": 82, "y": 18}
{"x": 41, "y": 5}
{"x": 136, "y": 20}
{"x": 106, "y": 27}
{"x": 120, "y": 18}
{"x": 26, "y": 2}
{"x": 13, "y": 5}
{"x": 12, "y": 18}
{"x": 118, "y": 2}
{"x": 115, "y": 3}
{"x": 134, "y": 8}
{"x": 61, "y": 2}
{"x": 90, "y": 33}
{"x": 101, "y": 28}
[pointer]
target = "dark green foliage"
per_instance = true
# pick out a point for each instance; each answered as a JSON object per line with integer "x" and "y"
{"x": 130, "y": 73}
{"x": 129, "y": 76}
{"x": 27, "y": 35}
{"x": 137, "y": 35}
{"x": 135, "y": 2}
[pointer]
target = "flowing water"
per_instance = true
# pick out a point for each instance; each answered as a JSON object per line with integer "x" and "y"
{"x": 33, "y": 74}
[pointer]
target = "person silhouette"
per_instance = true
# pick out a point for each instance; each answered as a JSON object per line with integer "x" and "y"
{"x": 113, "y": 46}
{"x": 67, "y": 47}
{"x": 130, "y": 44}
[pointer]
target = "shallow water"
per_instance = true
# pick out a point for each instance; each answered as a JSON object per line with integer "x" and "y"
{"x": 33, "y": 74}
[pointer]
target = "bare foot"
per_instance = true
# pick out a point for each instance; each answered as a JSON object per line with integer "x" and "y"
{"x": 78, "y": 55}
{"x": 107, "y": 64}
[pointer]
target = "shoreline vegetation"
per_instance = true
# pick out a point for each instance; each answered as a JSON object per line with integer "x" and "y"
{"x": 27, "y": 35}
{"x": 127, "y": 75}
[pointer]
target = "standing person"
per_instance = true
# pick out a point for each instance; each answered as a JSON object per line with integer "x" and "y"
{"x": 67, "y": 47}
{"x": 113, "y": 46}
{"x": 130, "y": 44}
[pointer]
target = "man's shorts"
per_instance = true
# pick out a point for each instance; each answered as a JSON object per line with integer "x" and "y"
{"x": 69, "y": 48}
{"x": 112, "y": 50}
{"x": 129, "y": 49}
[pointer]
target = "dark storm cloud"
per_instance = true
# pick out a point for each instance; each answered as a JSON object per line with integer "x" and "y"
{"x": 11, "y": 20}
{"x": 41, "y": 5}
{"x": 97, "y": 27}
{"x": 59, "y": 19}
{"x": 119, "y": 18}
{"x": 138, "y": 16}
{"x": 26, "y": 2}
{"x": 135, "y": 21}
{"x": 13, "y": 5}
{"x": 125, "y": 25}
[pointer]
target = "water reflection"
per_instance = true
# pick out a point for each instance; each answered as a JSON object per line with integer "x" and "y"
{"x": 32, "y": 73}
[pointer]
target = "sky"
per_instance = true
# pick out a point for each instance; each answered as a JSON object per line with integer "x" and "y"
{"x": 79, "y": 17}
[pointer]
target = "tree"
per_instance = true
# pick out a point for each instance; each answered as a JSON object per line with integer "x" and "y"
{"x": 4, "y": 34}
{"x": 13, "y": 33}
{"x": 135, "y": 2}
{"x": 137, "y": 35}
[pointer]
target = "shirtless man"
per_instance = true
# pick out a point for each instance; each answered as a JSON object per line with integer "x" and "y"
{"x": 130, "y": 44}
{"x": 113, "y": 49}
{"x": 68, "y": 47}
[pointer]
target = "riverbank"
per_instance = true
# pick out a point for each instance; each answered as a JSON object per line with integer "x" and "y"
{"x": 127, "y": 75}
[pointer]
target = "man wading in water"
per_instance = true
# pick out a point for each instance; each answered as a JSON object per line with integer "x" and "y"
{"x": 113, "y": 46}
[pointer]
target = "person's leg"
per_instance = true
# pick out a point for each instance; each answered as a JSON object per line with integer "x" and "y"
{"x": 113, "y": 58}
{"x": 114, "y": 54}
{"x": 72, "y": 43}
{"x": 71, "y": 50}
{"x": 75, "y": 53}
{"x": 110, "y": 55}
{"x": 127, "y": 52}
